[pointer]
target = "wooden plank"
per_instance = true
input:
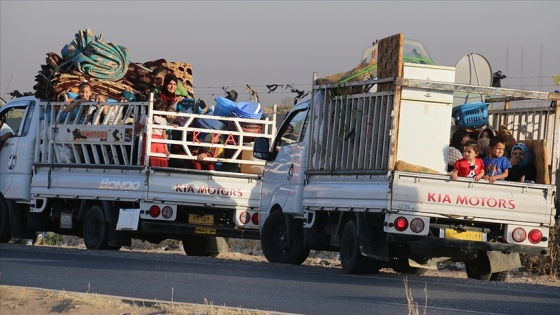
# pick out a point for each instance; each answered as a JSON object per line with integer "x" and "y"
{"x": 389, "y": 64}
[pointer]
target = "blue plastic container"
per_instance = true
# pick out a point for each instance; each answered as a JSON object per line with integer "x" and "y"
{"x": 248, "y": 110}
{"x": 224, "y": 107}
{"x": 213, "y": 124}
{"x": 471, "y": 115}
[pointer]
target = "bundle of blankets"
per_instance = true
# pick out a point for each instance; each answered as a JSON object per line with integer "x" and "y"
{"x": 105, "y": 66}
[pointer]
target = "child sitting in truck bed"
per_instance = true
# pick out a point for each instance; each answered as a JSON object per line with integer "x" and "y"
{"x": 470, "y": 165}
{"x": 496, "y": 165}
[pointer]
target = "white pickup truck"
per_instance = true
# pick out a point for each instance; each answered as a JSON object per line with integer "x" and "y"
{"x": 82, "y": 173}
{"x": 362, "y": 171}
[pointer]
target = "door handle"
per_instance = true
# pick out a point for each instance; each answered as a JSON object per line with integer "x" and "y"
{"x": 290, "y": 171}
{"x": 12, "y": 162}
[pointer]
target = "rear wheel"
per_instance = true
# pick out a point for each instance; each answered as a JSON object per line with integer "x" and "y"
{"x": 276, "y": 244}
{"x": 479, "y": 268}
{"x": 96, "y": 229}
{"x": 351, "y": 258}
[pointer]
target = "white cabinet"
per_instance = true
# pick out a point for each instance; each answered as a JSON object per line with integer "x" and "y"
{"x": 429, "y": 73}
{"x": 425, "y": 118}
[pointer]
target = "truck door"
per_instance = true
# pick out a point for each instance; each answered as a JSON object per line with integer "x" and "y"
{"x": 283, "y": 177}
{"x": 16, "y": 156}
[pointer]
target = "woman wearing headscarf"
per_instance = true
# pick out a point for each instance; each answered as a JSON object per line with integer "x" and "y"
{"x": 168, "y": 91}
{"x": 521, "y": 161}
{"x": 171, "y": 99}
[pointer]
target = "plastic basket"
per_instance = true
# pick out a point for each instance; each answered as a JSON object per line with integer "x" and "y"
{"x": 471, "y": 115}
{"x": 249, "y": 110}
{"x": 224, "y": 107}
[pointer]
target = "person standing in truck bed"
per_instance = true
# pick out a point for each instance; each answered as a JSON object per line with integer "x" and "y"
{"x": 157, "y": 133}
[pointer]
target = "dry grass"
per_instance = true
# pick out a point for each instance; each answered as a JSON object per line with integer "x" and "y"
{"x": 413, "y": 306}
{"x": 18, "y": 300}
{"x": 545, "y": 265}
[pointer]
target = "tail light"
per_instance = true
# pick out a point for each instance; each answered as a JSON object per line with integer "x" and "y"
{"x": 401, "y": 224}
{"x": 155, "y": 211}
{"x": 167, "y": 212}
{"x": 417, "y": 225}
{"x": 519, "y": 235}
{"x": 255, "y": 218}
{"x": 244, "y": 217}
{"x": 535, "y": 236}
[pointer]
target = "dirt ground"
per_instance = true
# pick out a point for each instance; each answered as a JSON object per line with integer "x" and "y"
{"x": 19, "y": 300}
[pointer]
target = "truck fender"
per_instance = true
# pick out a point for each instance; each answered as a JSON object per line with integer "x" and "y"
{"x": 503, "y": 261}
{"x": 85, "y": 205}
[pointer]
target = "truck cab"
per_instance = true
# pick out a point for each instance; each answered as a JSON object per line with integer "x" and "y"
{"x": 16, "y": 159}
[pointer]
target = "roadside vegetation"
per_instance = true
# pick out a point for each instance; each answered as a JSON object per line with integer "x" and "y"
{"x": 545, "y": 265}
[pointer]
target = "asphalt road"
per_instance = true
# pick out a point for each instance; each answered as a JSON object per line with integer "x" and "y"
{"x": 263, "y": 286}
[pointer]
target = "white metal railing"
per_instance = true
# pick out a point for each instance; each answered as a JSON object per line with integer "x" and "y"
{"x": 104, "y": 134}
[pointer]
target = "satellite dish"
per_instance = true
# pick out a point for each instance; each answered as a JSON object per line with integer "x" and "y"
{"x": 472, "y": 69}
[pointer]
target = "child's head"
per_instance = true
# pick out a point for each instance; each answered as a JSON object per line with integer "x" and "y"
{"x": 170, "y": 118}
{"x": 497, "y": 147}
{"x": 158, "y": 104}
{"x": 158, "y": 74}
{"x": 470, "y": 150}
{"x": 85, "y": 91}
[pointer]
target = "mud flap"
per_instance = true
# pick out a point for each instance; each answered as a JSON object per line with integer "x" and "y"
{"x": 503, "y": 261}
{"x": 118, "y": 238}
{"x": 428, "y": 264}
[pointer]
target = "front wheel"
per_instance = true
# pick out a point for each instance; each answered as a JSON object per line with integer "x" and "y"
{"x": 96, "y": 229}
{"x": 5, "y": 230}
{"x": 277, "y": 245}
{"x": 499, "y": 276}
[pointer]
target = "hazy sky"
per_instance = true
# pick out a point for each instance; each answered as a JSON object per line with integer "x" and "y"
{"x": 233, "y": 43}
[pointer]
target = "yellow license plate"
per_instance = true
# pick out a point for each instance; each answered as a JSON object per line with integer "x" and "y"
{"x": 204, "y": 230}
{"x": 463, "y": 235}
{"x": 206, "y": 219}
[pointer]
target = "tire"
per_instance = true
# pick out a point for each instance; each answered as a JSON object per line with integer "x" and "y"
{"x": 401, "y": 265}
{"x": 276, "y": 244}
{"x": 201, "y": 246}
{"x": 499, "y": 276}
{"x": 352, "y": 260}
{"x": 5, "y": 227}
{"x": 96, "y": 229}
{"x": 479, "y": 268}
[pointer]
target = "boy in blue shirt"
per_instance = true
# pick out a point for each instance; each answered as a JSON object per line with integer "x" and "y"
{"x": 496, "y": 165}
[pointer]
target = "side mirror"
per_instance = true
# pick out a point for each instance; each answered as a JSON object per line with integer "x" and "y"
{"x": 261, "y": 149}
